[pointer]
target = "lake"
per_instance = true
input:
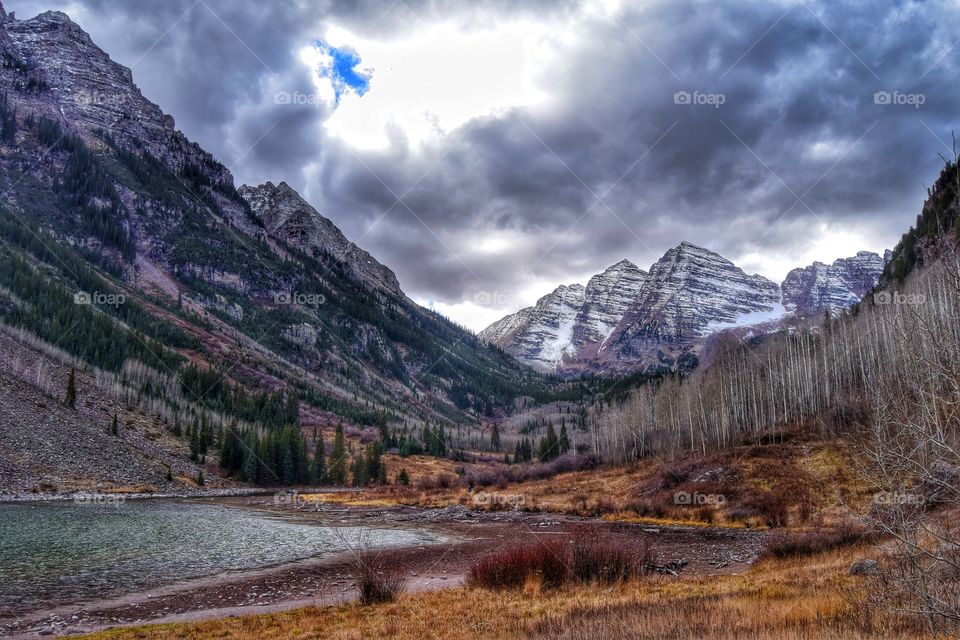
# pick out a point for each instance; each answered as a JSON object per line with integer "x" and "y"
{"x": 61, "y": 553}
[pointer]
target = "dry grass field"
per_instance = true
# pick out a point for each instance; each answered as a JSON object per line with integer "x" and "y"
{"x": 794, "y": 484}
{"x": 803, "y": 598}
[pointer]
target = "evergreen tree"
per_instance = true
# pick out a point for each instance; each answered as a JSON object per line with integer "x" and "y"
{"x": 8, "y": 121}
{"x": 495, "y": 437}
{"x": 337, "y": 467}
{"x": 114, "y": 426}
{"x": 358, "y": 471}
{"x": 203, "y": 443}
{"x": 564, "y": 439}
{"x": 319, "y": 471}
{"x": 169, "y": 474}
{"x": 549, "y": 445}
{"x": 403, "y": 478}
{"x": 71, "y": 398}
{"x": 373, "y": 461}
{"x": 250, "y": 469}
{"x": 195, "y": 445}
{"x": 200, "y": 480}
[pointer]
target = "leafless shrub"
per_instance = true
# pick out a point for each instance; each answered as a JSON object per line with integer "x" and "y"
{"x": 374, "y": 583}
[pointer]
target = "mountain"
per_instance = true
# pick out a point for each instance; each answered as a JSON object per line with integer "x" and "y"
{"x": 821, "y": 287}
{"x": 630, "y": 319}
{"x": 542, "y": 335}
{"x": 935, "y": 234}
{"x": 128, "y": 254}
{"x": 564, "y": 321}
{"x": 624, "y": 311}
{"x": 689, "y": 293}
{"x": 289, "y": 217}
{"x": 607, "y": 297}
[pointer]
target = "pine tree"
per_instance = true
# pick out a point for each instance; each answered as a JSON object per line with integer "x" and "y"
{"x": 403, "y": 478}
{"x": 564, "y": 439}
{"x": 373, "y": 461}
{"x": 337, "y": 467}
{"x": 204, "y": 439}
{"x": 114, "y": 426}
{"x": 71, "y": 398}
{"x": 495, "y": 438}
{"x": 195, "y": 445}
{"x": 359, "y": 471}
{"x": 250, "y": 469}
{"x": 549, "y": 445}
{"x": 169, "y": 474}
{"x": 319, "y": 471}
{"x": 200, "y": 480}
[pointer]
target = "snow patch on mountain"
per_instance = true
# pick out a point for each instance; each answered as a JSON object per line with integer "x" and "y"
{"x": 776, "y": 312}
{"x": 626, "y": 317}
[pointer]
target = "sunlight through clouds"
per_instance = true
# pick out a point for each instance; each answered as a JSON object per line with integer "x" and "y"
{"x": 425, "y": 85}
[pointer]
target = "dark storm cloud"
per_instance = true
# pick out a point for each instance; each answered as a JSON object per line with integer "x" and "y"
{"x": 798, "y": 119}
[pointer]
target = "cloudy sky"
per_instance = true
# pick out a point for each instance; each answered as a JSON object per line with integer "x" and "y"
{"x": 488, "y": 151}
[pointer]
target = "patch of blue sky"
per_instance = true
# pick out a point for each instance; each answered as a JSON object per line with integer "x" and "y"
{"x": 341, "y": 67}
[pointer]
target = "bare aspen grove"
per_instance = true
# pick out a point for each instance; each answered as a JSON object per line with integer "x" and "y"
{"x": 905, "y": 342}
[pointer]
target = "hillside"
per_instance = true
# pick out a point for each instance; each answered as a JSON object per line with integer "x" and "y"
{"x": 123, "y": 244}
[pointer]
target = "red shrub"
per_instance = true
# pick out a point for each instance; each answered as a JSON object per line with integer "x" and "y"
{"x": 588, "y": 558}
{"x": 603, "y": 559}
{"x": 807, "y": 543}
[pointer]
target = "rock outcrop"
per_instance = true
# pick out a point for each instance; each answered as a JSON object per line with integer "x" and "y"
{"x": 831, "y": 287}
{"x": 289, "y": 217}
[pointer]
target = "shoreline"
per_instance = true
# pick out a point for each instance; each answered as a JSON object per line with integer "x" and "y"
{"x": 465, "y": 536}
{"x": 231, "y": 492}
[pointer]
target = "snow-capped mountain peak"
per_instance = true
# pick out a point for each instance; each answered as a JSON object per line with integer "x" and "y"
{"x": 626, "y": 317}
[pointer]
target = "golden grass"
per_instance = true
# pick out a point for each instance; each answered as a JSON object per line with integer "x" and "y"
{"x": 349, "y": 499}
{"x": 806, "y": 476}
{"x": 631, "y": 518}
{"x": 794, "y": 599}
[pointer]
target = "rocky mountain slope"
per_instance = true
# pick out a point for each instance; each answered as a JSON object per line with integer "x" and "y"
{"x": 629, "y": 318}
{"x": 126, "y": 245}
{"x": 288, "y": 216}
{"x": 607, "y": 298}
{"x": 543, "y": 334}
{"x": 821, "y": 287}
{"x": 689, "y": 291}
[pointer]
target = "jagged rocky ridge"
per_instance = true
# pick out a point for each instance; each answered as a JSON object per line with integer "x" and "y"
{"x": 288, "y": 216}
{"x": 628, "y": 318}
{"x": 163, "y": 217}
{"x": 831, "y": 287}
